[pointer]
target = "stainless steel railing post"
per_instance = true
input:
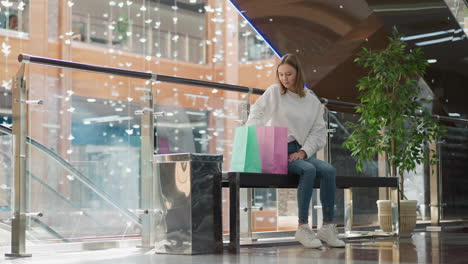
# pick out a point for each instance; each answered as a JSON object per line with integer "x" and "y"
{"x": 18, "y": 230}
{"x": 147, "y": 181}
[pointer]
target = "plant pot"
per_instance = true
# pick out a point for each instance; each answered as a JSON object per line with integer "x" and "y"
{"x": 407, "y": 216}
{"x": 385, "y": 215}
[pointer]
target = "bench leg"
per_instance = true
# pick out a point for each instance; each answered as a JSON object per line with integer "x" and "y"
{"x": 348, "y": 210}
{"x": 234, "y": 225}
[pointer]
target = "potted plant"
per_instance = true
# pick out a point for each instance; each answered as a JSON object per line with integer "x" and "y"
{"x": 393, "y": 121}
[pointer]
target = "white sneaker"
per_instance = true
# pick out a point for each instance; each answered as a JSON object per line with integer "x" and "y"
{"x": 329, "y": 235}
{"x": 306, "y": 236}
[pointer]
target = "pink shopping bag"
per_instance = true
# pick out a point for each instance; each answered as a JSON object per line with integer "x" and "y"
{"x": 273, "y": 145}
{"x": 163, "y": 145}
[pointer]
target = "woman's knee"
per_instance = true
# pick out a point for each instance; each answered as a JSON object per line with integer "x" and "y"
{"x": 329, "y": 171}
{"x": 302, "y": 167}
{"x": 309, "y": 170}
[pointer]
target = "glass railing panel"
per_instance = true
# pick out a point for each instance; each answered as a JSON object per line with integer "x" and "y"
{"x": 286, "y": 206}
{"x": 365, "y": 208}
{"x": 340, "y": 157}
{"x": 73, "y": 207}
{"x": 199, "y": 120}
{"x": 416, "y": 187}
{"x": 6, "y": 187}
{"x": 92, "y": 124}
{"x": 453, "y": 167}
{"x": 265, "y": 213}
{"x": 284, "y": 202}
{"x": 203, "y": 120}
{"x": 111, "y": 158}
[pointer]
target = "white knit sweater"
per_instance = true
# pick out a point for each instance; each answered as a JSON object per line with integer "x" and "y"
{"x": 301, "y": 115}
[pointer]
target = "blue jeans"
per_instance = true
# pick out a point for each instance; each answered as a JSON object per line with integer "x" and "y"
{"x": 307, "y": 170}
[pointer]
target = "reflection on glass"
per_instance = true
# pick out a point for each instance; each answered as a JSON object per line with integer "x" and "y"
{"x": 266, "y": 219}
{"x": 453, "y": 167}
{"x": 252, "y": 47}
{"x": 71, "y": 209}
{"x": 88, "y": 148}
{"x": 14, "y": 15}
{"x": 6, "y": 184}
{"x": 149, "y": 28}
{"x": 365, "y": 209}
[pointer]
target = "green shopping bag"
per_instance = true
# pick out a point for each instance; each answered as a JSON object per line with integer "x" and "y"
{"x": 245, "y": 153}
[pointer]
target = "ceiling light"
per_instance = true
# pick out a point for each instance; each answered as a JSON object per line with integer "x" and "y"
{"x": 438, "y": 33}
{"x": 434, "y": 41}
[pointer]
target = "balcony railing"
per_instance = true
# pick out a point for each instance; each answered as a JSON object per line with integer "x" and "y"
{"x": 98, "y": 172}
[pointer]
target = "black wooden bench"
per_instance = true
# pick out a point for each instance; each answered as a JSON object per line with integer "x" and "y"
{"x": 236, "y": 180}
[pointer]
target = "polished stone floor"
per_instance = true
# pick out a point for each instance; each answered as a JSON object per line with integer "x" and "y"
{"x": 448, "y": 246}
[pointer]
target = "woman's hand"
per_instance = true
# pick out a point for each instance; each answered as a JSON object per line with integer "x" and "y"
{"x": 300, "y": 155}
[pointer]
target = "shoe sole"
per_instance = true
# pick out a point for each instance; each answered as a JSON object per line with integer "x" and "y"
{"x": 325, "y": 243}
{"x": 309, "y": 246}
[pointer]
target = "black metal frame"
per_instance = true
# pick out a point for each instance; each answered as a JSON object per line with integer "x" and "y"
{"x": 236, "y": 180}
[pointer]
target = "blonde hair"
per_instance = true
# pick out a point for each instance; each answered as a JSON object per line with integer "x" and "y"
{"x": 293, "y": 61}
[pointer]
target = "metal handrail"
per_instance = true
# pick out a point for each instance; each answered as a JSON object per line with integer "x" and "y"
{"x": 25, "y": 58}
{"x": 451, "y": 119}
{"x": 439, "y": 117}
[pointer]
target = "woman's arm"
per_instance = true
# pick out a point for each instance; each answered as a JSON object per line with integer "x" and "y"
{"x": 261, "y": 111}
{"x": 317, "y": 136}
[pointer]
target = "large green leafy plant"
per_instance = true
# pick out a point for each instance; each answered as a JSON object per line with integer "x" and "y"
{"x": 393, "y": 118}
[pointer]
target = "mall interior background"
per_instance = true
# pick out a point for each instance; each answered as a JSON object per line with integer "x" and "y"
{"x": 89, "y": 120}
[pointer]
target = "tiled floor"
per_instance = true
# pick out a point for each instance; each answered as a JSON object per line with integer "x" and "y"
{"x": 449, "y": 246}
